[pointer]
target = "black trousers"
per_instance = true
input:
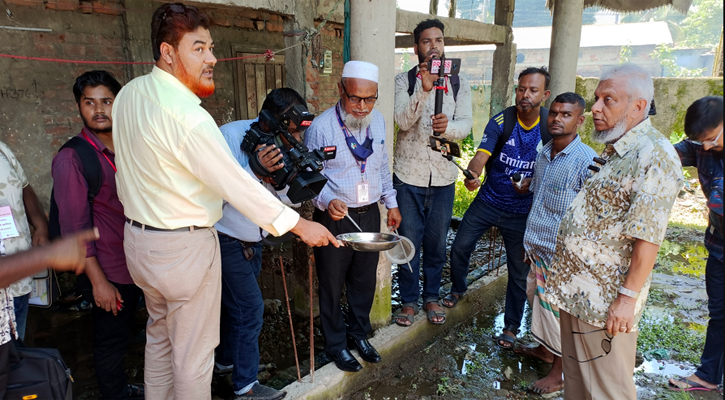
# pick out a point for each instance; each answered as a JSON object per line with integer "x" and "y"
{"x": 356, "y": 270}
{"x": 4, "y": 367}
{"x": 111, "y": 338}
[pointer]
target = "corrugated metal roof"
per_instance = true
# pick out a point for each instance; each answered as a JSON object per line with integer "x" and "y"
{"x": 634, "y": 34}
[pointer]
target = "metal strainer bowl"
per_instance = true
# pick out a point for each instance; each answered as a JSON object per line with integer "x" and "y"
{"x": 402, "y": 253}
{"x": 369, "y": 241}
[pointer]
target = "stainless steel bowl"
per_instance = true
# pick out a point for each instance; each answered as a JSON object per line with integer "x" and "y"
{"x": 369, "y": 241}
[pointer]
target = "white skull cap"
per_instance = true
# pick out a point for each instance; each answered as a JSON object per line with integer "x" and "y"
{"x": 360, "y": 70}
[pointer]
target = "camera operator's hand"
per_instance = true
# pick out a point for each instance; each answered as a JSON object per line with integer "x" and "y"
{"x": 440, "y": 123}
{"x": 427, "y": 79}
{"x": 269, "y": 156}
{"x": 337, "y": 209}
{"x": 394, "y": 218}
{"x": 314, "y": 234}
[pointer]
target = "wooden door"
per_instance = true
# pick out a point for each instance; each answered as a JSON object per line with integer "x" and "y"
{"x": 255, "y": 78}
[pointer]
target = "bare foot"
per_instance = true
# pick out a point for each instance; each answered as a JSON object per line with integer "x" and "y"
{"x": 549, "y": 384}
{"x": 540, "y": 352}
{"x": 680, "y": 383}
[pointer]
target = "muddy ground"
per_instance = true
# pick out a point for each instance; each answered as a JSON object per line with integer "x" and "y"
{"x": 465, "y": 363}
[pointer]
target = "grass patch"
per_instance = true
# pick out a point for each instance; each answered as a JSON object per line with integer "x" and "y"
{"x": 676, "y": 336}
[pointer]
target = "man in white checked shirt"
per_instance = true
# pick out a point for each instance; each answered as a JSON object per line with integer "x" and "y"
{"x": 560, "y": 172}
{"x": 358, "y": 178}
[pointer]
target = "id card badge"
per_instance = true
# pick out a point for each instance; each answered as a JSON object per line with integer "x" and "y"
{"x": 363, "y": 193}
{"x": 7, "y": 223}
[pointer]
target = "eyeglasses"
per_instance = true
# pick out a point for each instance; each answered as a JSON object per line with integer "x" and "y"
{"x": 606, "y": 345}
{"x": 706, "y": 142}
{"x": 356, "y": 99}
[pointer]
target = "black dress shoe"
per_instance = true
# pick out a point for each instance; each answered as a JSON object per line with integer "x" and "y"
{"x": 345, "y": 361}
{"x": 366, "y": 350}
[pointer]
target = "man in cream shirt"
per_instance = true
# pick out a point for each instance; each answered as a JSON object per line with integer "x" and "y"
{"x": 174, "y": 168}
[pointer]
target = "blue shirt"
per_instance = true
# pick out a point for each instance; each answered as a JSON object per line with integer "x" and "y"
{"x": 517, "y": 155}
{"x": 233, "y": 223}
{"x": 343, "y": 172}
{"x": 555, "y": 184}
{"x": 709, "y": 166}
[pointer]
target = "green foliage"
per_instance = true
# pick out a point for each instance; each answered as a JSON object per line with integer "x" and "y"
{"x": 625, "y": 54}
{"x": 671, "y": 334}
{"x": 677, "y": 137}
{"x": 683, "y": 259}
{"x": 463, "y": 198}
{"x": 665, "y": 54}
{"x": 703, "y": 24}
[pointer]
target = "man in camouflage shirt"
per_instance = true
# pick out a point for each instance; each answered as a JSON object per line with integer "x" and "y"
{"x": 609, "y": 238}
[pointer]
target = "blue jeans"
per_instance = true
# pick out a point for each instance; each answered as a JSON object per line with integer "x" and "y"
{"x": 242, "y": 311}
{"x": 711, "y": 368}
{"x": 21, "y": 313}
{"x": 478, "y": 219}
{"x": 426, "y": 213}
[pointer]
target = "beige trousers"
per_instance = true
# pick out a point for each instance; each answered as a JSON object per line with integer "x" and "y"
{"x": 608, "y": 378}
{"x": 180, "y": 275}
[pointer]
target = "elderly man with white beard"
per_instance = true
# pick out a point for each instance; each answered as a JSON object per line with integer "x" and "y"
{"x": 358, "y": 178}
{"x": 609, "y": 238}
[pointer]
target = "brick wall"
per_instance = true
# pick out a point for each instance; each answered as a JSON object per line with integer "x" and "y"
{"x": 322, "y": 92}
{"x": 37, "y": 109}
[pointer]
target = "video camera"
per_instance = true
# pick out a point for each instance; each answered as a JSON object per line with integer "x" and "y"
{"x": 301, "y": 171}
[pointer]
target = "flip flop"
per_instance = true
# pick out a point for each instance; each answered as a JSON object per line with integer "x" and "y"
{"x": 409, "y": 318}
{"x": 433, "y": 313}
{"x": 503, "y": 337}
{"x": 537, "y": 390}
{"x": 693, "y": 386}
{"x": 452, "y": 298}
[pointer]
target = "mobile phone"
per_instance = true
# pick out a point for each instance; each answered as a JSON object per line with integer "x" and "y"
{"x": 451, "y": 66}
{"x": 444, "y": 146}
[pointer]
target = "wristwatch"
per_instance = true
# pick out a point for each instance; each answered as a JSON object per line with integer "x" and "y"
{"x": 627, "y": 292}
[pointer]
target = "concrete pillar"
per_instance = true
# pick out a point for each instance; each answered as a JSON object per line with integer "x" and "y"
{"x": 372, "y": 39}
{"x": 504, "y": 59}
{"x": 566, "y": 34}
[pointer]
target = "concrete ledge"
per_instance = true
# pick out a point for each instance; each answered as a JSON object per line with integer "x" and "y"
{"x": 459, "y": 32}
{"x": 394, "y": 342}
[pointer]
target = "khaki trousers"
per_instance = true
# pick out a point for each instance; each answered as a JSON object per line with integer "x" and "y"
{"x": 180, "y": 275}
{"x": 609, "y": 377}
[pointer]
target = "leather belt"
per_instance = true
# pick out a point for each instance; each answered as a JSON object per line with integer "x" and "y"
{"x": 361, "y": 210}
{"x": 152, "y": 228}
{"x": 245, "y": 244}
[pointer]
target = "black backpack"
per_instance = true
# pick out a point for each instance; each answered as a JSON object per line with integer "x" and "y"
{"x": 455, "y": 83}
{"x": 509, "y": 123}
{"x": 91, "y": 173}
{"x": 37, "y": 374}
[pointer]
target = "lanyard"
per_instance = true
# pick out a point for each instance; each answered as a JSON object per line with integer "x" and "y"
{"x": 96, "y": 147}
{"x": 360, "y": 152}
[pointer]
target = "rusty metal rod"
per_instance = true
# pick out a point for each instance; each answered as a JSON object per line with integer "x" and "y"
{"x": 312, "y": 330}
{"x": 491, "y": 245}
{"x": 289, "y": 314}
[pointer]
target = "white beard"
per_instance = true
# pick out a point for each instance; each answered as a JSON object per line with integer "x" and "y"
{"x": 611, "y": 135}
{"x": 356, "y": 124}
